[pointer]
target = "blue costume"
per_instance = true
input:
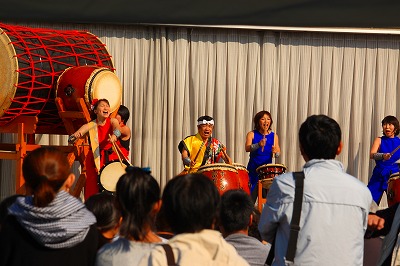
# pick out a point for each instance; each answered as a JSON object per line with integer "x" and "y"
{"x": 259, "y": 157}
{"x": 384, "y": 168}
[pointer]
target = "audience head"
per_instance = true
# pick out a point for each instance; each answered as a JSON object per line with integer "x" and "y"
{"x": 392, "y": 120}
{"x": 46, "y": 171}
{"x": 235, "y": 211}
{"x": 320, "y": 138}
{"x": 138, "y": 195}
{"x": 123, "y": 112}
{"x": 258, "y": 117}
{"x": 190, "y": 203}
{"x": 105, "y": 208}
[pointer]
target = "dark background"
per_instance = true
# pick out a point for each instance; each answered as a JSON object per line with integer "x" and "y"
{"x": 296, "y": 13}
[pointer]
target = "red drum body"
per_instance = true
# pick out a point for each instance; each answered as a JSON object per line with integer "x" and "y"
{"x": 31, "y": 60}
{"x": 267, "y": 173}
{"x": 243, "y": 175}
{"x": 393, "y": 190}
{"x": 224, "y": 176}
{"x": 89, "y": 82}
{"x": 110, "y": 174}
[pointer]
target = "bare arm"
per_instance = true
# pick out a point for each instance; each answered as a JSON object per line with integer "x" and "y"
{"x": 249, "y": 140}
{"x": 115, "y": 127}
{"x": 374, "y": 151}
{"x": 375, "y": 147}
{"x": 226, "y": 157}
{"x": 276, "y": 148}
{"x": 81, "y": 131}
{"x": 125, "y": 132}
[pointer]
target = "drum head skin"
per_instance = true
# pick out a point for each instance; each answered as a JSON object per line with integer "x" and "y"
{"x": 110, "y": 175}
{"x": 217, "y": 167}
{"x": 104, "y": 84}
{"x": 8, "y": 72}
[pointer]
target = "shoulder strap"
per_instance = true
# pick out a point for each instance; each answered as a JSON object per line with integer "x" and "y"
{"x": 170, "y": 254}
{"x": 294, "y": 224}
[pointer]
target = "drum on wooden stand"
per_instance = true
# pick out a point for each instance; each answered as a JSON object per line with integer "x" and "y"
{"x": 267, "y": 173}
{"x": 89, "y": 82}
{"x": 31, "y": 59}
{"x": 224, "y": 176}
{"x": 243, "y": 175}
{"x": 110, "y": 174}
{"x": 393, "y": 190}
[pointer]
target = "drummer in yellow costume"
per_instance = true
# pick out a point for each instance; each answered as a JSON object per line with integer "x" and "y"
{"x": 202, "y": 148}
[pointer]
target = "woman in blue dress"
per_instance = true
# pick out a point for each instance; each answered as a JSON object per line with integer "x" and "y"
{"x": 385, "y": 153}
{"x": 262, "y": 144}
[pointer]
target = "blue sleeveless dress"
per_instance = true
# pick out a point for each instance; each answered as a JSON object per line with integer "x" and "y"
{"x": 383, "y": 169}
{"x": 258, "y": 157}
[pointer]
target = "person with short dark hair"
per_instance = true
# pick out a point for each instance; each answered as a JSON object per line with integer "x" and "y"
{"x": 123, "y": 117}
{"x": 104, "y": 206}
{"x": 335, "y": 205}
{"x": 236, "y": 215}
{"x": 384, "y": 152}
{"x": 201, "y": 149}
{"x": 191, "y": 206}
{"x": 138, "y": 195}
{"x": 49, "y": 226}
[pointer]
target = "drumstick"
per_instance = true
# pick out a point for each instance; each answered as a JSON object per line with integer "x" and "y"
{"x": 223, "y": 151}
{"x": 126, "y": 159}
{"x": 262, "y": 149}
{"x": 115, "y": 150}
{"x": 398, "y": 147}
{"x": 121, "y": 153}
{"x": 197, "y": 155}
{"x": 274, "y": 139}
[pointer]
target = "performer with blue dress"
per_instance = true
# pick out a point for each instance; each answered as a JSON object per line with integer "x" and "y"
{"x": 262, "y": 144}
{"x": 385, "y": 151}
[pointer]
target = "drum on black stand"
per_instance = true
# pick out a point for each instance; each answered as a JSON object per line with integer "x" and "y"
{"x": 110, "y": 174}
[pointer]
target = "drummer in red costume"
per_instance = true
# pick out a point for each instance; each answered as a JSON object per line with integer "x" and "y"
{"x": 200, "y": 149}
{"x": 100, "y": 130}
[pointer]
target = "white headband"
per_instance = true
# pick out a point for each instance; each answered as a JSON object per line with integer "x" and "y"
{"x": 205, "y": 122}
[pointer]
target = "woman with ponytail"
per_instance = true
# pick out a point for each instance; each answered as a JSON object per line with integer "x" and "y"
{"x": 138, "y": 195}
{"x": 48, "y": 226}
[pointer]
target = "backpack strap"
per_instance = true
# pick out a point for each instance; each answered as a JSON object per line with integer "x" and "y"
{"x": 294, "y": 224}
{"x": 170, "y": 254}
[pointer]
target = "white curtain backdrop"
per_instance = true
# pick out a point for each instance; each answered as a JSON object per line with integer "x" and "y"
{"x": 170, "y": 76}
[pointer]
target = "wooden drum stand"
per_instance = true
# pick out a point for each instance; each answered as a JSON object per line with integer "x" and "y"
{"x": 25, "y": 128}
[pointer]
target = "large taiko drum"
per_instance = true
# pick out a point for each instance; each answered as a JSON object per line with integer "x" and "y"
{"x": 243, "y": 175}
{"x": 31, "y": 59}
{"x": 267, "y": 173}
{"x": 393, "y": 190}
{"x": 224, "y": 176}
{"x": 110, "y": 174}
{"x": 89, "y": 82}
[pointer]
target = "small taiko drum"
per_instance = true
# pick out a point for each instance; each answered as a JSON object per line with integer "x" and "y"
{"x": 31, "y": 59}
{"x": 224, "y": 176}
{"x": 393, "y": 190}
{"x": 110, "y": 174}
{"x": 267, "y": 173}
{"x": 89, "y": 82}
{"x": 243, "y": 175}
